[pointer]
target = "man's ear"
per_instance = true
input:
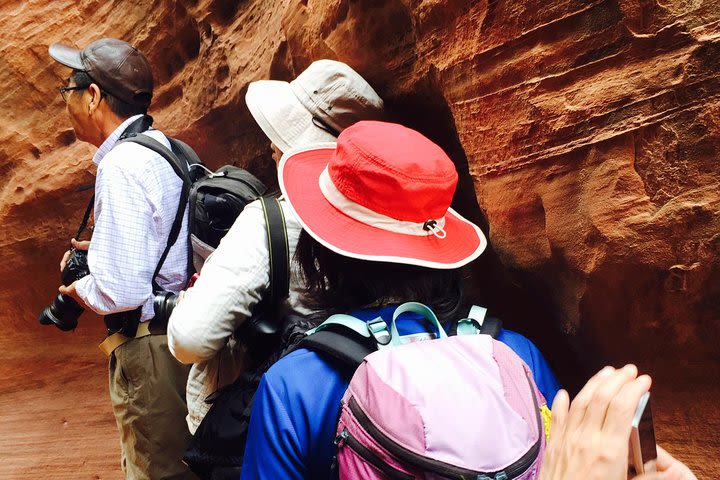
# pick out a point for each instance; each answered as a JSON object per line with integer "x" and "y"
{"x": 95, "y": 97}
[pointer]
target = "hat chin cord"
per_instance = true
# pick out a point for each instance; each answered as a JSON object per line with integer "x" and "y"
{"x": 432, "y": 226}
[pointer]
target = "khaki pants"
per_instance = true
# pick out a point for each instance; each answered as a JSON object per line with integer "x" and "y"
{"x": 147, "y": 390}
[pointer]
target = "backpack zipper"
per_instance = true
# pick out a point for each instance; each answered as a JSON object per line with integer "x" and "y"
{"x": 445, "y": 469}
{"x": 344, "y": 438}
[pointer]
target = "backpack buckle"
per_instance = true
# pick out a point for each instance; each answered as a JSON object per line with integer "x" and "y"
{"x": 379, "y": 331}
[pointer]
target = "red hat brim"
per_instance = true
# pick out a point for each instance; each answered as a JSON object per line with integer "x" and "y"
{"x": 299, "y": 173}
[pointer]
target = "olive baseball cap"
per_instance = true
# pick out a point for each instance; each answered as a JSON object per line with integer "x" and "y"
{"x": 116, "y": 66}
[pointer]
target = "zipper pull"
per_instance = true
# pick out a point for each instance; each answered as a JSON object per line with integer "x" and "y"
{"x": 340, "y": 439}
{"x": 339, "y": 443}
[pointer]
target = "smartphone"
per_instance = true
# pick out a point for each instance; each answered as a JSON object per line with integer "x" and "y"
{"x": 642, "y": 438}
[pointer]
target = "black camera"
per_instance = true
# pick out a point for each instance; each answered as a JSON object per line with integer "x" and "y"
{"x": 64, "y": 311}
{"x": 163, "y": 305}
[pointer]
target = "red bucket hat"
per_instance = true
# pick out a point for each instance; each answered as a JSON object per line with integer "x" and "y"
{"x": 381, "y": 193}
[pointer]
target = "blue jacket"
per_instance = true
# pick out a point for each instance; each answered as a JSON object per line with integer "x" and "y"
{"x": 294, "y": 416}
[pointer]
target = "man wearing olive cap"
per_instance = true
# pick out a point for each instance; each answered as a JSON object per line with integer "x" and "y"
{"x": 136, "y": 198}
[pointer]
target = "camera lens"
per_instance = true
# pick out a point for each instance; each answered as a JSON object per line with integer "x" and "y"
{"x": 63, "y": 312}
{"x": 163, "y": 305}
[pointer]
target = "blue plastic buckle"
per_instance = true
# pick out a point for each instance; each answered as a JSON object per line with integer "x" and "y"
{"x": 379, "y": 331}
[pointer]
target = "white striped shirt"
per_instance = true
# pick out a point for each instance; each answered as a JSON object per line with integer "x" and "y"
{"x": 136, "y": 199}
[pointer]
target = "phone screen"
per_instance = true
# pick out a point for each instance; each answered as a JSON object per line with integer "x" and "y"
{"x": 642, "y": 438}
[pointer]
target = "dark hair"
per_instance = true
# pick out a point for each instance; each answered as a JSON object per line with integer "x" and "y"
{"x": 119, "y": 107}
{"x": 338, "y": 284}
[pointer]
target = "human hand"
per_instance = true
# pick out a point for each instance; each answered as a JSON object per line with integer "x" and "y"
{"x": 78, "y": 245}
{"x": 668, "y": 468}
{"x": 589, "y": 438}
{"x": 71, "y": 290}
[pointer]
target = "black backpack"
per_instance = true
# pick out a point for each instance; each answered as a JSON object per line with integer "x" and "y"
{"x": 217, "y": 449}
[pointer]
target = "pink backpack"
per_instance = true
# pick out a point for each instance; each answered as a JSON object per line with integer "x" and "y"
{"x": 462, "y": 407}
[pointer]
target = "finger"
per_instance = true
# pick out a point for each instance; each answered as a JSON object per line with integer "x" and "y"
{"x": 580, "y": 402}
{"x": 553, "y": 450}
{"x": 561, "y": 404}
{"x": 80, "y": 245}
{"x": 650, "y": 476}
{"x": 664, "y": 459}
{"x": 618, "y": 421}
{"x": 672, "y": 468}
{"x": 64, "y": 260}
{"x": 604, "y": 395}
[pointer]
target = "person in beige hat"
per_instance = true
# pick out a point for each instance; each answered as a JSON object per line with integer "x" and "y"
{"x": 323, "y": 100}
{"x": 107, "y": 97}
{"x": 320, "y": 103}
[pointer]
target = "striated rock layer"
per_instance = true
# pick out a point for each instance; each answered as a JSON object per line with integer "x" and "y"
{"x": 589, "y": 131}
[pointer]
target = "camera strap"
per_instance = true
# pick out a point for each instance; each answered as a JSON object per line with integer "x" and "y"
{"x": 86, "y": 217}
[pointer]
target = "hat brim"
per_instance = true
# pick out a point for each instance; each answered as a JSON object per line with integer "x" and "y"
{"x": 68, "y": 56}
{"x": 299, "y": 173}
{"x": 281, "y": 116}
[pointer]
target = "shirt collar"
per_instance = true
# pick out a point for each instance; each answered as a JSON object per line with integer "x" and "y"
{"x": 112, "y": 139}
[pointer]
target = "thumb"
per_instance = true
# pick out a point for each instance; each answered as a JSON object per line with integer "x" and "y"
{"x": 651, "y": 476}
{"x": 80, "y": 245}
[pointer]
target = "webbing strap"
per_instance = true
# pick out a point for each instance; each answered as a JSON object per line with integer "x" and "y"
{"x": 86, "y": 217}
{"x": 278, "y": 248}
{"x": 114, "y": 340}
{"x": 420, "y": 309}
{"x": 348, "y": 321}
{"x": 477, "y": 323}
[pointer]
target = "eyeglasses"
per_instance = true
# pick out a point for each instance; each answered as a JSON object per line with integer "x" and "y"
{"x": 64, "y": 90}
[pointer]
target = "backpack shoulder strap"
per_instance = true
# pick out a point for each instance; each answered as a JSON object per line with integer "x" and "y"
{"x": 180, "y": 167}
{"x": 278, "y": 249}
{"x": 182, "y": 170}
{"x": 184, "y": 150}
{"x": 478, "y": 323}
{"x": 346, "y": 339}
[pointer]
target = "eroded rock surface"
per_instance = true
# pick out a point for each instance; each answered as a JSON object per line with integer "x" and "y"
{"x": 589, "y": 130}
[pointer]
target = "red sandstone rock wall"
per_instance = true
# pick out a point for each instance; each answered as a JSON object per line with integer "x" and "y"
{"x": 590, "y": 131}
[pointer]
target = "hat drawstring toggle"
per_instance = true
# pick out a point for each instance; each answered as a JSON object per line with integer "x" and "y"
{"x": 432, "y": 226}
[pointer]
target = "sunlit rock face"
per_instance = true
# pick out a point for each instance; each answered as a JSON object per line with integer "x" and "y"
{"x": 589, "y": 131}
